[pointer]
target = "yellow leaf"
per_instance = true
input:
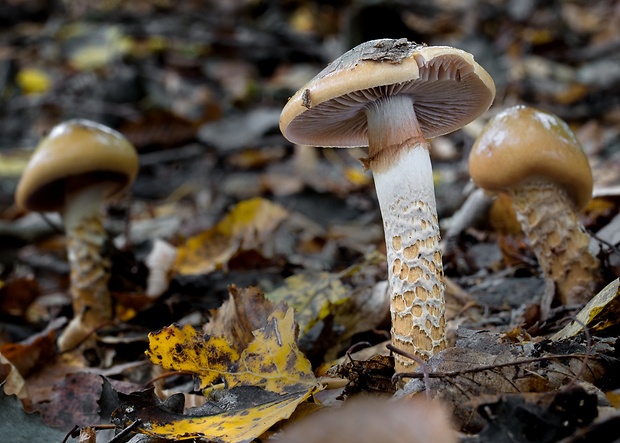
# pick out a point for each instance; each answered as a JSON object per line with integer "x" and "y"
{"x": 312, "y": 295}
{"x": 315, "y": 296}
{"x": 247, "y": 226}
{"x": 273, "y": 359}
{"x": 599, "y": 314}
{"x": 33, "y": 81}
{"x": 187, "y": 350}
{"x": 264, "y": 384}
{"x": 243, "y": 414}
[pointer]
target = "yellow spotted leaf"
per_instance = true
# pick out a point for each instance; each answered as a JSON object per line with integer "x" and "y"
{"x": 312, "y": 295}
{"x": 316, "y": 295}
{"x": 187, "y": 350}
{"x": 264, "y": 383}
{"x": 247, "y": 226}
{"x": 273, "y": 359}
{"x": 239, "y": 415}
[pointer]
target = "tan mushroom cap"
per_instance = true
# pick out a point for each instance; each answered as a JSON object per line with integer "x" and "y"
{"x": 524, "y": 144}
{"x": 80, "y": 149}
{"x": 448, "y": 88}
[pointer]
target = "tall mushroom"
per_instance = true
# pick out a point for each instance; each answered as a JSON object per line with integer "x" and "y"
{"x": 392, "y": 95}
{"x": 535, "y": 158}
{"x": 78, "y": 165}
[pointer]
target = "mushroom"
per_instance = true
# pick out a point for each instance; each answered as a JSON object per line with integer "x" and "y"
{"x": 392, "y": 95}
{"x": 535, "y": 158}
{"x": 78, "y": 165}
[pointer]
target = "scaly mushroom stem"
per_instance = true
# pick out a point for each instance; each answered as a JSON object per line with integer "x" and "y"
{"x": 549, "y": 220}
{"x": 90, "y": 269}
{"x": 404, "y": 184}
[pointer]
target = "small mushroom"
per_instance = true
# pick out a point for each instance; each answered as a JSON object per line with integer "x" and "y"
{"x": 392, "y": 95}
{"x": 535, "y": 158}
{"x": 72, "y": 171}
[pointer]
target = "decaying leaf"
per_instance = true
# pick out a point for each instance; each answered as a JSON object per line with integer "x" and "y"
{"x": 189, "y": 351}
{"x": 246, "y": 227}
{"x": 246, "y": 310}
{"x": 598, "y": 315}
{"x": 543, "y": 417}
{"x": 12, "y": 382}
{"x": 371, "y": 376}
{"x": 271, "y": 368}
{"x": 238, "y": 415}
{"x": 312, "y": 296}
{"x": 482, "y": 364}
{"x": 74, "y": 401}
{"x": 315, "y": 296}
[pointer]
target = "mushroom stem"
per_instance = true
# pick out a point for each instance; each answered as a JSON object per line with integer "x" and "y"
{"x": 404, "y": 185}
{"x": 90, "y": 269}
{"x": 549, "y": 219}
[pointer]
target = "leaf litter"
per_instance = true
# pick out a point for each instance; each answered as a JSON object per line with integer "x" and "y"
{"x": 258, "y": 223}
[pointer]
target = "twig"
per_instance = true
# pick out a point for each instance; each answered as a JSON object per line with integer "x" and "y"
{"x": 354, "y": 347}
{"x": 118, "y": 438}
{"x": 165, "y": 375}
{"x": 486, "y": 368}
{"x": 74, "y": 432}
{"x": 420, "y": 362}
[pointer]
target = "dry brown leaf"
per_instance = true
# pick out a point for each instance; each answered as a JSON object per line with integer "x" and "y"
{"x": 245, "y": 311}
{"x": 482, "y": 364}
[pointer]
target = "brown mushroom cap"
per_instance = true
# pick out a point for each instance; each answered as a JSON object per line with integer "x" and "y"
{"x": 524, "y": 144}
{"x": 76, "y": 149}
{"x": 448, "y": 89}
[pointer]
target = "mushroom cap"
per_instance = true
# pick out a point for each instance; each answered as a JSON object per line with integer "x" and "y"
{"x": 522, "y": 144}
{"x": 76, "y": 149}
{"x": 448, "y": 89}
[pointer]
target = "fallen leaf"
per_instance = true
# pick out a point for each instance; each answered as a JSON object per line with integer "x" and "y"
{"x": 12, "y": 381}
{"x": 239, "y": 415}
{"x": 317, "y": 295}
{"x": 246, "y": 310}
{"x": 188, "y": 351}
{"x": 246, "y": 227}
{"x": 598, "y": 315}
{"x": 312, "y": 295}
{"x": 543, "y": 417}
{"x": 370, "y": 376}
{"x": 74, "y": 401}
{"x": 38, "y": 350}
{"x": 271, "y": 367}
{"x": 481, "y": 364}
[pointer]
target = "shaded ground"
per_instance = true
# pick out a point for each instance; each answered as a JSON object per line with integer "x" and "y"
{"x": 198, "y": 88}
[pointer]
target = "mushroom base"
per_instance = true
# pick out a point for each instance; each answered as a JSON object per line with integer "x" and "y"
{"x": 550, "y": 222}
{"x": 90, "y": 269}
{"x": 407, "y": 200}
